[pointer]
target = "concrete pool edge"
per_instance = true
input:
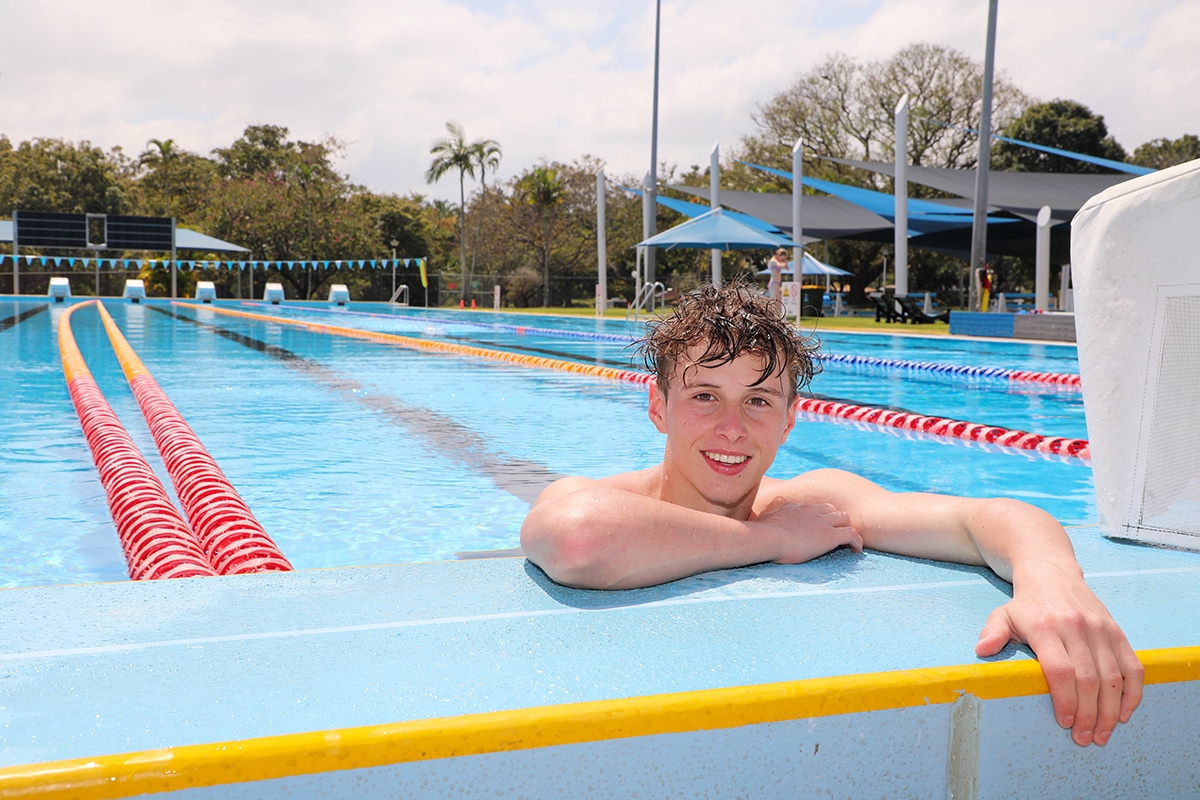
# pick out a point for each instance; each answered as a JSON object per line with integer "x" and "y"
{"x": 316, "y": 752}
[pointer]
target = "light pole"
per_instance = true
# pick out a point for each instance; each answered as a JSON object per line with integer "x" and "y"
{"x": 395, "y": 244}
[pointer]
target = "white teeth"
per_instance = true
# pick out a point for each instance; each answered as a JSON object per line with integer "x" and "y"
{"x": 724, "y": 459}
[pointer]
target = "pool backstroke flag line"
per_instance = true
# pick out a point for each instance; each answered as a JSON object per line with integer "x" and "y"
{"x": 135, "y": 263}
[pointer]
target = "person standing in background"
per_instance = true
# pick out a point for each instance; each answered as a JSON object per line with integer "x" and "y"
{"x": 777, "y": 264}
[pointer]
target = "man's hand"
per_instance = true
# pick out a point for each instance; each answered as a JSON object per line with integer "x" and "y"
{"x": 1094, "y": 676}
{"x": 806, "y": 530}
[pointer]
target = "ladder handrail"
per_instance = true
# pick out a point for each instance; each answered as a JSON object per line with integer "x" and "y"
{"x": 649, "y": 292}
{"x": 403, "y": 290}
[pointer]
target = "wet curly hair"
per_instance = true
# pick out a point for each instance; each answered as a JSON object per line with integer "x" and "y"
{"x": 732, "y": 321}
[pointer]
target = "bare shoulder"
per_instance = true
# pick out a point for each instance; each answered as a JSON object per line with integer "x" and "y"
{"x": 640, "y": 482}
{"x": 834, "y": 486}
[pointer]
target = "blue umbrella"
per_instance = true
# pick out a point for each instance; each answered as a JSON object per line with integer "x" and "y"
{"x": 717, "y": 230}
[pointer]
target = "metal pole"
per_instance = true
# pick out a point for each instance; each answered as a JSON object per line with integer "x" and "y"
{"x": 174, "y": 289}
{"x": 1041, "y": 275}
{"x": 395, "y": 243}
{"x": 714, "y": 200}
{"x": 16, "y": 255}
{"x": 900, "y": 189}
{"x": 979, "y": 228}
{"x": 650, "y": 198}
{"x": 797, "y": 220}
{"x": 601, "y": 248}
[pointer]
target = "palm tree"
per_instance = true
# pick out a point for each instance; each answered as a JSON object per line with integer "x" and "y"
{"x": 542, "y": 189}
{"x": 486, "y": 154}
{"x": 163, "y": 154}
{"x": 454, "y": 153}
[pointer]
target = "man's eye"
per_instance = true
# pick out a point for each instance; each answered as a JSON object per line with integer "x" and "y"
{"x": 759, "y": 401}
{"x": 704, "y": 396}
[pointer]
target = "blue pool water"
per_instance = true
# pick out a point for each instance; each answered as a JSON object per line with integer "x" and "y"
{"x": 353, "y": 453}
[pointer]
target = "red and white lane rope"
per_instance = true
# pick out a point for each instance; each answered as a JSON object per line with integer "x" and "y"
{"x": 157, "y": 541}
{"x": 232, "y": 538}
{"x": 952, "y": 428}
{"x": 935, "y": 426}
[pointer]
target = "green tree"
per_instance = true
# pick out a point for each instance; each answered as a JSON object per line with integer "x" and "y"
{"x": 177, "y": 186}
{"x": 261, "y": 150}
{"x": 1162, "y": 153}
{"x": 1064, "y": 124}
{"x": 286, "y": 202}
{"x": 57, "y": 175}
{"x": 541, "y": 189}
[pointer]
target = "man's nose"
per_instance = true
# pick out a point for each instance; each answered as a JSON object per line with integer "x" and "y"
{"x": 732, "y": 424}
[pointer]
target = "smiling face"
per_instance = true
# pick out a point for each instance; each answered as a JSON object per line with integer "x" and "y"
{"x": 724, "y": 426}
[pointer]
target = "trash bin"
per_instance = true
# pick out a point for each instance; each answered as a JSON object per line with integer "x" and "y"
{"x": 812, "y": 300}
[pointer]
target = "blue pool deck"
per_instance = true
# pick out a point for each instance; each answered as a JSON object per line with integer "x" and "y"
{"x": 852, "y": 676}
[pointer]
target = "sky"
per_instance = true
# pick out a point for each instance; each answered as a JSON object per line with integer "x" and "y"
{"x": 550, "y": 80}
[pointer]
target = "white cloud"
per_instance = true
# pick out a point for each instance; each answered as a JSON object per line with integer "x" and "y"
{"x": 548, "y": 80}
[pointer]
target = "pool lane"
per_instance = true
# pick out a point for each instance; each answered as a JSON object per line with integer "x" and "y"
{"x": 20, "y": 317}
{"x": 521, "y": 478}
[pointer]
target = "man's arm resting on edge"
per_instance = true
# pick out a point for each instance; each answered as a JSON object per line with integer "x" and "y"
{"x": 587, "y": 534}
{"x": 1095, "y": 678}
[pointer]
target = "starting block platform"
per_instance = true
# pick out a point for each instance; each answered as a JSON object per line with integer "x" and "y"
{"x": 852, "y": 675}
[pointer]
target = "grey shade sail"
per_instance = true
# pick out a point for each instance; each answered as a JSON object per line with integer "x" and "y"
{"x": 824, "y": 217}
{"x": 1019, "y": 193}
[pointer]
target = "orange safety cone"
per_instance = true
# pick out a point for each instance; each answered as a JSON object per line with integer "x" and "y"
{"x": 461, "y": 304}
{"x": 472, "y": 303}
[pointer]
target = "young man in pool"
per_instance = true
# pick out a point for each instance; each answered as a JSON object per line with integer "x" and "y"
{"x": 727, "y": 370}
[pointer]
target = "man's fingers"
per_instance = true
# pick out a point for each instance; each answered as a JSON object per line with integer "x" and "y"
{"x": 1135, "y": 676}
{"x": 1069, "y": 693}
{"x": 1111, "y": 689}
{"x": 996, "y": 633}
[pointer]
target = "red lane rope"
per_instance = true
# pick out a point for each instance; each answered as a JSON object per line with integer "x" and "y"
{"x": 156, "y": 540}
{"x": 936, "y": 426}
{"x": 228, "y": 532}
{"x": 956, "y": 429}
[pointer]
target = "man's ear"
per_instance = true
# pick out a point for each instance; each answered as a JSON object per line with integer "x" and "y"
{"x": 658, "y": 406}
{"x": 791, "y": 419}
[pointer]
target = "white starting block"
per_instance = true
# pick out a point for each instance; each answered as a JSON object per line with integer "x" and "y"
{"x": 273, "y": 294}
{"x": 135, "y": 290}
{"x": 206, "y": 292}
{"x": 60, "y": 289}
{"x": 339, "y": 294}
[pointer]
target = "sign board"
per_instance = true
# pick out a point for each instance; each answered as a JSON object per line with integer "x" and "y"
{"x": 49, "y": 229}
{"x": 84, "y": 231}
{"x": 791, "y": 299}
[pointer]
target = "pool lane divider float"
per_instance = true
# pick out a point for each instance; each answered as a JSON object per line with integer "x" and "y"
{"x": 949, "y": 428}
{"x": 227, "y": 530}
{"x": 1017, "y": 375}
{"x": 428, "y": 346}
{"x": 157, "y": 541}
{"x": 933, "y": 426}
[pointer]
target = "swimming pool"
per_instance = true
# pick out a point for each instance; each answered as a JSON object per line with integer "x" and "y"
{"x": 355, "y": 453}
